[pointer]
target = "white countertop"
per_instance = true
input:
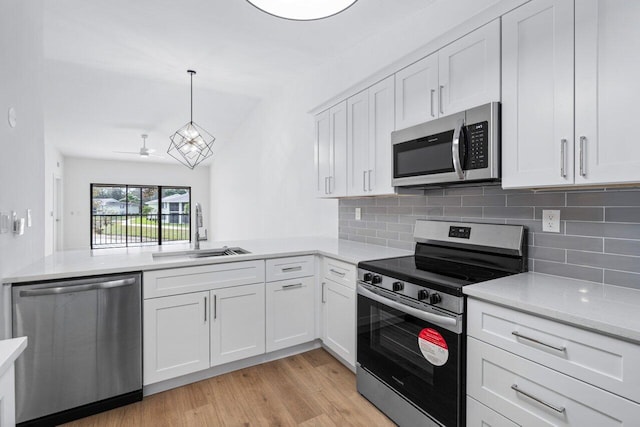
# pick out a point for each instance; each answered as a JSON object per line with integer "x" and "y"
{"x": 608, "y": 309}
{"x": 68, "y": 264}
{"x": 9, "y": 352}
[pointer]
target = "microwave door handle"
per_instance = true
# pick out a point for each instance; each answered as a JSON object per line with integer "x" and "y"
{"x": 455, "y": 148}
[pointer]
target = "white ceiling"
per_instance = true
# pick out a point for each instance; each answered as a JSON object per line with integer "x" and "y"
{"x": 115, "y": 69}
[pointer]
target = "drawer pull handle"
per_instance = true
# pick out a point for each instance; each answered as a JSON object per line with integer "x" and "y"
{"x": 290, "y": 269}
{"x": 295, "y": 285}
{"x": 339, "y": 273}
{"x": 561, "y": 349}
{"x": 558, "y": 409}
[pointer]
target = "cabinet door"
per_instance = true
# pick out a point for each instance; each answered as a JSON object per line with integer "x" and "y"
{"x": 339, "y": 320}
{"x": 358, "y": 144}
{"x": 237, "y": 328}
{"x": 176, "y": 336}
{"x": 381, "y": 124}
{"x": 290, "y": 313}
{"x": 338, "y": 136}
{"x": 537, "y": 94}
{"x": 322, "y": 154}
{"x": 607, "y": 88}
{"x": 417, "y": 92}
{"x": 470, "y": 70}
{"x": 479, "y": 415}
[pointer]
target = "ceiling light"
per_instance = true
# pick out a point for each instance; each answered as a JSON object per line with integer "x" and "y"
{"x": 298, "y": 10}
{"x": 189, "y": 144}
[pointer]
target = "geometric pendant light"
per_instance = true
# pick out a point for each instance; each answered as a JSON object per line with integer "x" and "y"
{"x": 299, "y": 10}
{"x": 191, "y": 144}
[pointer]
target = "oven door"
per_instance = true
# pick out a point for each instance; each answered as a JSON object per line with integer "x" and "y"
{"x": 420, "y": 356}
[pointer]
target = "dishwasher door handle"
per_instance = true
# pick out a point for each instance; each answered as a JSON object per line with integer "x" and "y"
{"x": 57, "y": 290}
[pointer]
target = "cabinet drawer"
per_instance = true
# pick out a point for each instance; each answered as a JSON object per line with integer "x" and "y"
{"x": 600, "y": 360}
{"x": 479, "y": 415}
{"x": 533, "y": 395}
{"x": 340, "y": 272}
{"x": 175, "y": 281}
{"x": 289, "y": 268}
{"x": 290, "y": 312}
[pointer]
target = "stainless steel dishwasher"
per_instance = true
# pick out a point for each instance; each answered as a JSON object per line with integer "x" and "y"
{"x": 85, "y": 347}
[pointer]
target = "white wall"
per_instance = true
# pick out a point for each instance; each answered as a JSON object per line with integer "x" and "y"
{"x": 53, "y": 168}
{"x": 262, "y": 179}
{"x": 22, "y": 147}
{"x": 80, "y": 173}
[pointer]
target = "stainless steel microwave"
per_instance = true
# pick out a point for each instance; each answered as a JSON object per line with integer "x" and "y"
{"x": 460, "y": 148}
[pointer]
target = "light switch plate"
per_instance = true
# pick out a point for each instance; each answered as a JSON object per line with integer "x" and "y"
{"x": 551, "y": 221}
{"x": 358, "y": 214}
{"x": 28, "y": 217}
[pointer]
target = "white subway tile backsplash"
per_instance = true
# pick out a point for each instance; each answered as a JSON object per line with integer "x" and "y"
{"x": 599, "y": 237}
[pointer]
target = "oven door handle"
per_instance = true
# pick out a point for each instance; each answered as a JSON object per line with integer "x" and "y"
{"x": 423, "y": 315}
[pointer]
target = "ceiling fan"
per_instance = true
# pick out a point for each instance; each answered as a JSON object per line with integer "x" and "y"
{"x": 144, "y": 151}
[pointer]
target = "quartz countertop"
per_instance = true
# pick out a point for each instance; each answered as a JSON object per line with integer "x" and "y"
{"x": 77, "y": 263}
{"x": 9, "y": 352}
{"x": 608, "y": 309}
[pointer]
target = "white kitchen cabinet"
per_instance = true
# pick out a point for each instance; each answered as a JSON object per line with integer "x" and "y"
{"x": 339, "y": 320}
{"x": 237, "y": 323}
{"x": 290, "y": 312}
{"x": 537, "y": 94}
{"x": 533, "y": 395}
{"x": 176, "y": 336}
{"x": 461, "y": 75}
{"x": 478, "y": 415}
{"x": 537, "y": 371}
{"x": 469, "y": 70}
{"x": 417, "y": 92}
{"x": 331, "y": 151}
{"x": 541, "y": 147}
{"x": 607, "y": 66}
{"x": 339, "y": 309}
{"x": 370, "y": 121}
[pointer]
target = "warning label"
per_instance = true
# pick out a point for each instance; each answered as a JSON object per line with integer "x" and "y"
{"x": 433, "y": 346}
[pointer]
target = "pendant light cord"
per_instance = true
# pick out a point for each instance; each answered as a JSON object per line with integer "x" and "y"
{"x": 192, "y": 73}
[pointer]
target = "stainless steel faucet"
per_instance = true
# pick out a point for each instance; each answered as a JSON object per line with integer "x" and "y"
{"x": 196, "y": 245}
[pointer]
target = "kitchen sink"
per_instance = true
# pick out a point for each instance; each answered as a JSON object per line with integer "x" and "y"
{"x": 202, "y": 253}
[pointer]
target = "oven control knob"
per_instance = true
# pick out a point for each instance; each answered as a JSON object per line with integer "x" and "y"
{"x": 435, "y": 298}
{"x": 398, "y": 286}
{"x": 423, "y": 294}
{"x": 376, "y": 279}
{"x": 367, "y": 277}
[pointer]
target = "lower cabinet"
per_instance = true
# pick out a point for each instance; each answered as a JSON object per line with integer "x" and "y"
{"x": 479, "y": 415}
{"x": 339, "y": 319}
{"x": 237, "y": 323}
{"x": 290, "y": 312}
{"x": 176, "y": 336}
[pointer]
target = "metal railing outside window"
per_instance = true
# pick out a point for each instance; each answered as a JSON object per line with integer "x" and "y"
{"x": 136, "y": 215}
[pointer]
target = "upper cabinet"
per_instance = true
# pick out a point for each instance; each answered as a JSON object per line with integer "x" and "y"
{"x": 370, "y": 121}
{"x": 541, "y": 147}
{"x": 607, "y": 87}
{"x": 330, "y": 151}
{"x": 461, "y": 75}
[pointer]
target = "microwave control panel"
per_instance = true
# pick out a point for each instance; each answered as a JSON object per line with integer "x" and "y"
{"x": 478, "y": 146}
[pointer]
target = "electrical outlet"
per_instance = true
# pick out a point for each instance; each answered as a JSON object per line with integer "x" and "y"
{"x": 551, "y": 221}
{"x": 358, "y": 214}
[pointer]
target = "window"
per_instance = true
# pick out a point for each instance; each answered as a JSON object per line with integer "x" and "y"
{"x": 139, "y": 215}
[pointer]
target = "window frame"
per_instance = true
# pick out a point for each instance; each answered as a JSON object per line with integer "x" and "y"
{"x": 126, "y": 187}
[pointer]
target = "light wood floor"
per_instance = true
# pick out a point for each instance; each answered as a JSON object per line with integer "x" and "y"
{"x": 309, "y": 389}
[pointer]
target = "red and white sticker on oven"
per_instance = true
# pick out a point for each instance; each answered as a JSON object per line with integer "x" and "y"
{"x": 433, "y": 346}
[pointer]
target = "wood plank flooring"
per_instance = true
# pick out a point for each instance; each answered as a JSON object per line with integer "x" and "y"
{"x": 310, "y": 389}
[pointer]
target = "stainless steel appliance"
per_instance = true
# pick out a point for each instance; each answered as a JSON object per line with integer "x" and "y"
{"x": 411, "y": 323}
{"x": 460, "y": 148}
{"x": 85, "y": 347}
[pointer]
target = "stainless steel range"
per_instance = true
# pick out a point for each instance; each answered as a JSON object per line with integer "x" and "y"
{"x": 411, "y": 323}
